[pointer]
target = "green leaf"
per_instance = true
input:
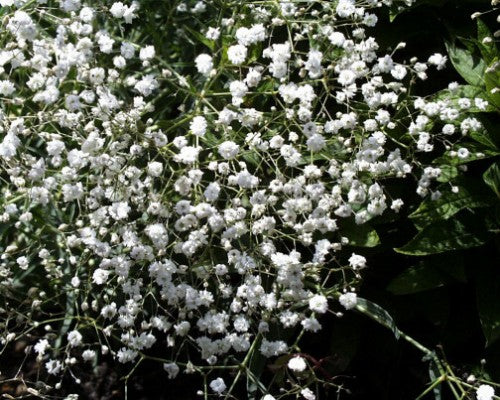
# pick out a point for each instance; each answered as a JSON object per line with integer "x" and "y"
{"x": 360, "y": 235}
{"x": 471, "y": 194}
{"x": 488, "y": 50}
{"x": 492, "y": 82}
{"x": 464, "y": 91}
{"x": 199, "y": 37}
{"x": 416, "y": 279}
{"x": 484, "y": 138}
{"x": 488, "y": 300}
{"x": 470, "y": 67}
{"x": 448, "y": 172}
{"x": 492, "y": 178}
{"x": 456, "y": 234}
{"x": 377, "y": 313}
{"x": 478, "y": 151}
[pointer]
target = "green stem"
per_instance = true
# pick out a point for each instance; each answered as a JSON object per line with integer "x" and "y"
{"x": 243, "y": 365}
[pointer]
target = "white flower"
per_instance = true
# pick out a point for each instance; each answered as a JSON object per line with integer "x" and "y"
{"x": 172, "y": 369}
{"x": 297, "y": 364}
{"x": 237, "y": 54}
{"x": 119, "y": 210}
{"x": 228, "y": 149}
{"x": 463, "y": 153}
{"x": 100, "y": 276}
{"x": 147, "y": 53}
{"x": 41, "y": 347}
{"x": 346, "y": 77}
{"x": 155, "y": 168}
{"x": 438, "y": 60}
{"x": 212, "y": 191}
{"x": 345, "y": 8}
{"x": 53, "y": 367}
{"x": 88, "y": 355}
{"x": 117, "y": 10}
{"x": 318, "y": 303}
{"x": 127, "y": 50}
{"x": 70, "y": 5}
{"x": 337, "y": 38}
{"x": 308, "y": 394}
{"x": 22, "y": 262}
{"x": 218, "y": 385}
{"x": 485, "y": 392}
{"x": 398, "y": 72}
{"x": 204, "y": 64}
{"x": 316, "y": 142}
{"x": 348, "y": 300}
{"x": 187, "y": 155}
{"x": 356, "y": 261}
{"x": 109, "y": 310}
{"x": 126, "y": 355}
{"x": 272, "y": 349}
{"x": 198, "y": 126}
{"x": 397, "y": 204}
{"x": 74, "y": 338}
{"x": 213, "y": 33}
{"x": 6, "y": 88}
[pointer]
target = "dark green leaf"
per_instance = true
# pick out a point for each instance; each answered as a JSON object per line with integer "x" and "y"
{"x": 470, "y": 67}
{"x": 471, "y": 194}
{"x": 441, "y": 236}
{"x": 488, "y": 49}
{"x": 416, "y": 279}
{"x": 448, "y": 172}
{"x": 360, "y": 235}
{"x": 492, "y": 82}
{"x": 492, "y": 178}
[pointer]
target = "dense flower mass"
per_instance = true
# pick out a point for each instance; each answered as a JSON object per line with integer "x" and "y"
{"x": 220, "y": 221}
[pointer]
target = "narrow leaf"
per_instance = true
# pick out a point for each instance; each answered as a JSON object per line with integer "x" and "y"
{"x": 377, "y": 313}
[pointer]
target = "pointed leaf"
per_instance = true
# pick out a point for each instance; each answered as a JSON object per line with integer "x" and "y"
{"x": 471, "y": 194}
{"x": 470, "y": 67}
{"x": 456, "y": 234}
{"x": 416, "y": 279}
{"x": 488, "y": 48}
{"x": 492, "y": 82}
{"x": 492, "y": 178}
{"x": 377, "y": 313}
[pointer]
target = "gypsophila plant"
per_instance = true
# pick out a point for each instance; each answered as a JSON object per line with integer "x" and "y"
{"x": 184, "y": 181}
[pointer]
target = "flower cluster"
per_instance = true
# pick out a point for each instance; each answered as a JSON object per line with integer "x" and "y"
{"x": 216, "y": 226}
